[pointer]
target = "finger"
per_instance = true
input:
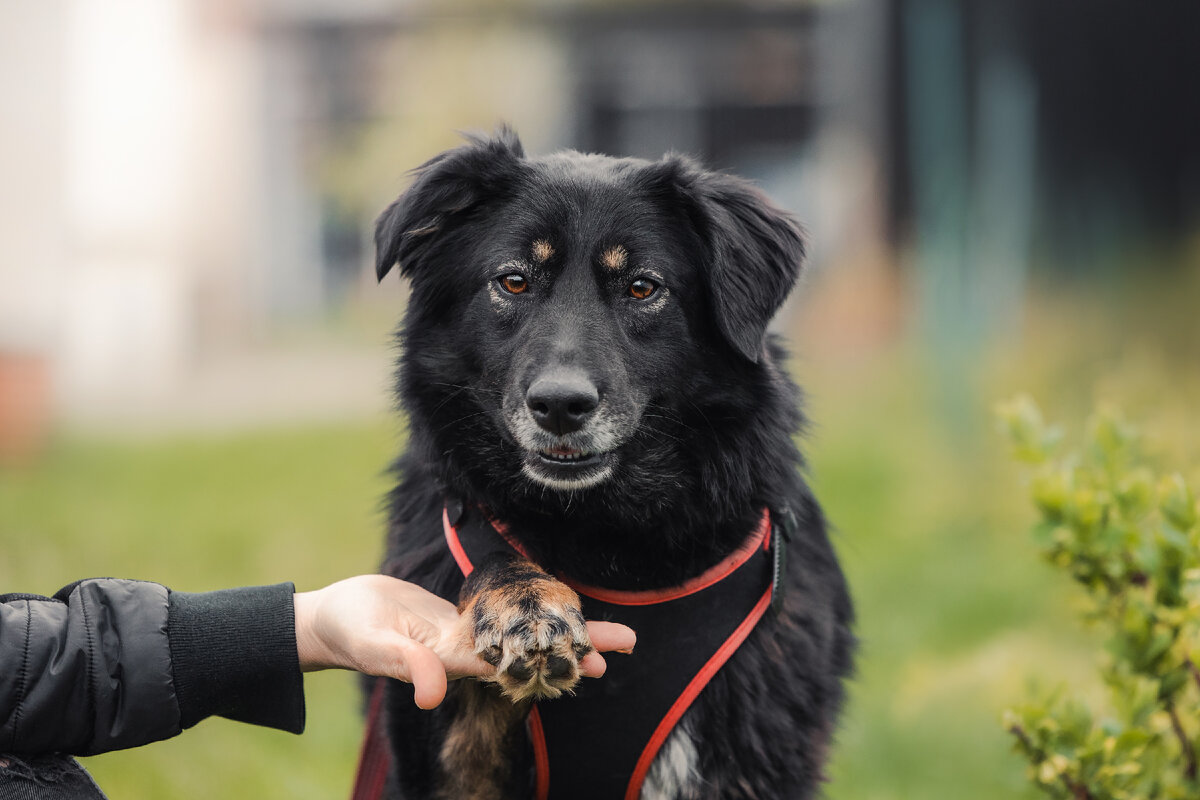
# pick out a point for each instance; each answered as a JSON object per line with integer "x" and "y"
{"x": 456, "y": 649}
{"x": 463, "y": 664}
{"x": 593, "y": 665}
{"x": 425, "y": 672}
{"x": 612, "y": 636}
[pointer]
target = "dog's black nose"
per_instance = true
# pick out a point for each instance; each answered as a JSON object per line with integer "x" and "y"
{"x": 562, "y": 402}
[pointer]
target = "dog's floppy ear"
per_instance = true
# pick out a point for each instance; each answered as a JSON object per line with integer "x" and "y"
{"x": 447, "y": 184}
{"x": 755, "y": 249}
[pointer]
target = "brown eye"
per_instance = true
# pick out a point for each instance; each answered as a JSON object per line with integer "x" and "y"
{"x": 514, "y": 283}
{"x": 642, "y": 288}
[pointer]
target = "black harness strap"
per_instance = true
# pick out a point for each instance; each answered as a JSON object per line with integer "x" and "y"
{"x": 601, "y": 741}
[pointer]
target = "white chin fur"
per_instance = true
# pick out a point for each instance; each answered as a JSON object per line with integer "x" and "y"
{"x": 591, "y": 479}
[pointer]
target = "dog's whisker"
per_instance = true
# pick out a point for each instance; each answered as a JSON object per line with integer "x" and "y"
{"x": 703, "y": 416}
{"x": 462, "y": 386}
{"x": 447, "y": 399}
{"x": 659, "y": 435}
{"x": 460, "y": 420}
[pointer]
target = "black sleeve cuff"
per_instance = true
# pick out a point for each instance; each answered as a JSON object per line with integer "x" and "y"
{"x": 233, "y": 655}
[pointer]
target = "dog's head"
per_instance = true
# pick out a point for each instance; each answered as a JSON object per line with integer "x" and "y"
{"x": 569, "y": 312}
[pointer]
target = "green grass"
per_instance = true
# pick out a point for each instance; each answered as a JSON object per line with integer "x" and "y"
{"x": 950, "y": 599}
{"x": 955, "y": 611}
{"x": 206, "y": 513}
{"x": 947, "y": 587}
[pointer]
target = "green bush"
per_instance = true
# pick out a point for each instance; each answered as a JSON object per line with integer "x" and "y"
{"x": 1129, "y": 536}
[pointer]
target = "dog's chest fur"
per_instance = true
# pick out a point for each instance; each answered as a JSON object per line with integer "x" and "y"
{"x": 675, "y": 774}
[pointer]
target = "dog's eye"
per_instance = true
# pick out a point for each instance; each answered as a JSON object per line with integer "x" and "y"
{"x": 642, "y": 288}
{"x": 514, "y": 283}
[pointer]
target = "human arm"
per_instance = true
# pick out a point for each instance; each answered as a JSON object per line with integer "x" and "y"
{"x": 108, "y": 664}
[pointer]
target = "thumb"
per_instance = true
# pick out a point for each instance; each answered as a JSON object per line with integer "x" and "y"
{"x": 424, "y": 671}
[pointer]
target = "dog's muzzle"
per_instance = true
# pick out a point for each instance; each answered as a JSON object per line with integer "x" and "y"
{"x": 565, "y": 429}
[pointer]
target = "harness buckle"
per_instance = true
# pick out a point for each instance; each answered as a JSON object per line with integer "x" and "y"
{"x": 785, "y": 525}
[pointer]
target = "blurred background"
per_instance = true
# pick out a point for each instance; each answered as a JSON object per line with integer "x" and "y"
{"x": 195, "y": 359}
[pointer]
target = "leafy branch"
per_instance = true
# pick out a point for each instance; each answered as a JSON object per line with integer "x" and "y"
{"x": 1131, "y": 539}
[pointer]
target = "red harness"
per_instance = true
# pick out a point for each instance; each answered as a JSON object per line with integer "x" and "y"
{"x": 601, "y": 741}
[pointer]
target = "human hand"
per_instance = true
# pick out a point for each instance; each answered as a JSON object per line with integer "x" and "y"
{"x": 380, "y": 625}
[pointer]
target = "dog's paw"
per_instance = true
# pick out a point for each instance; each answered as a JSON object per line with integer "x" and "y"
{"x": 528, "y": 625}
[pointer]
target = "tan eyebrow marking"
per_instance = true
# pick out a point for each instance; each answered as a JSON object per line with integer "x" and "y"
{"x": 614, "y": 258}
{"x": 542, "y": 251}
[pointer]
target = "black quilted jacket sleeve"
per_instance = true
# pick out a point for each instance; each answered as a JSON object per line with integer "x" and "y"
{"x": 107, "y": 664}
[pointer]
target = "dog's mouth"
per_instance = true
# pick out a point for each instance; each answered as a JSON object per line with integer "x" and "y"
{"x": 569, "y": 456}
{"x": 567, "y": 467}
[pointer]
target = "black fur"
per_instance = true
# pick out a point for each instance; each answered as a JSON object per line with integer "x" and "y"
{"x": 710, "y": 444}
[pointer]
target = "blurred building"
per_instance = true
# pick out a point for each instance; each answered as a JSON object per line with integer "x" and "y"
{"x": 1025, "y": 134}
{"x": 185, "y": 175}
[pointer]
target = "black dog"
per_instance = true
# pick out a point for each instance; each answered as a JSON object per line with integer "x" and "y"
{"x": 585, "y": 360}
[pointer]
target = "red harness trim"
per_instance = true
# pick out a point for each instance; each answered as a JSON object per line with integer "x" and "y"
{"x": 715, "y": 574}
{"x": 682, "y": 703}
{"x": 697, "y": 684}
{"x": 541, "y": 759}
{"x": 456, "y": 548}
{"x": 761, "y": 537}
{"x": 375, "y": 757}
